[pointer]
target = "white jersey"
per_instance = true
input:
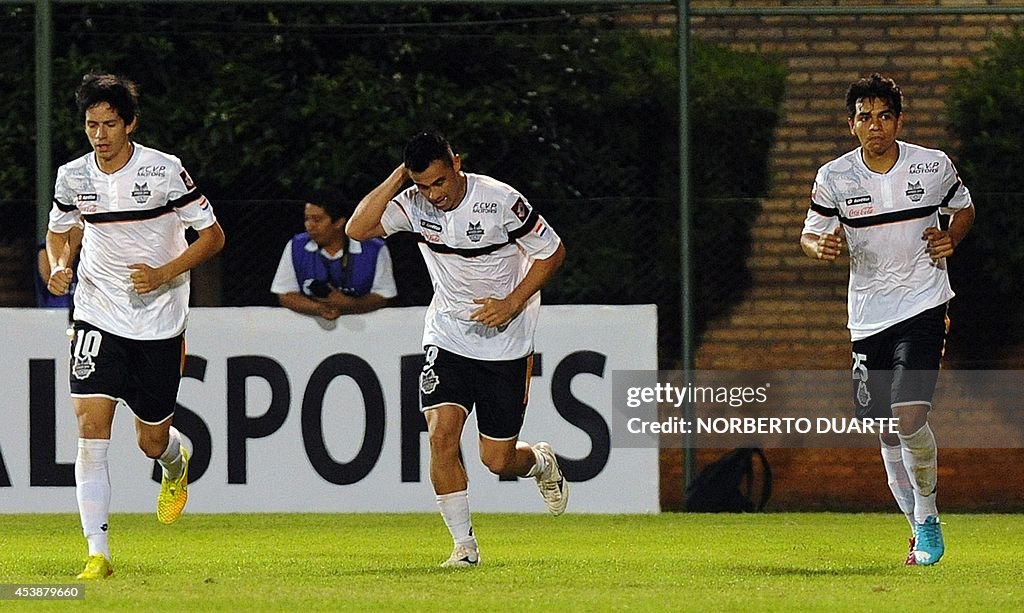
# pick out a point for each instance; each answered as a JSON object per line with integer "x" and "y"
{"x": 480, "y": 249}
{"x": 892, "y": 278}
{"x": 135, "y": 215}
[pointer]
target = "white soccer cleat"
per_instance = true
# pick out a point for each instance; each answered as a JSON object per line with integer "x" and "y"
{"x": 553, "y": 487}
{"x": 462, "y": 557}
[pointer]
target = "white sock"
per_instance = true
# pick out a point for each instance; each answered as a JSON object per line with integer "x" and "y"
{"x": 92, "y": 488}
{"x": 540, "y": 467}
{"x": 455, "y": 511}
{"x": 920, "y": 457}
{"x": 899, "y": 480}
{"x": 170, "y": 460}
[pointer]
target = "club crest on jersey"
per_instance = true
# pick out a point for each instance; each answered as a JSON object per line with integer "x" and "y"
{"x": 914, "y": 191}
{"x": 428, "y": 381}
{"x": 141, "y": 193}
{"x": 475, "y": 231}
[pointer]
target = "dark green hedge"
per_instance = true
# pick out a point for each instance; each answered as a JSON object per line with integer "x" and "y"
{"x": 986, "y": 111}
{"x": 263, "y": 102}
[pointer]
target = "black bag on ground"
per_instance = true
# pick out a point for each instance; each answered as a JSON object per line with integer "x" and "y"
{"x": 728, "y": 484}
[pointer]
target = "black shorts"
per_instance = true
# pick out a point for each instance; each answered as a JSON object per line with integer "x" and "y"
{"x": 144, "y": 374}
{"x": 899, "y": 365}
{"x": 498, "y": 389}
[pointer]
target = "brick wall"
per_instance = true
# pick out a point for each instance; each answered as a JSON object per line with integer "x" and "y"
{"x": 794, "y": 317}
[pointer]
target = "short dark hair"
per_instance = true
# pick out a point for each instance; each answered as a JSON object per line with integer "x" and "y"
{"x": 332, "y": 201}
{"x": 426, "y": 148}
{"x": 875, "y": 86}
{"x": 119, "y": 92}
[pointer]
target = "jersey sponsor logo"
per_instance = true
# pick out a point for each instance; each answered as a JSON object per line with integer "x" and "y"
{"x": 485, "y": 207}
{"x": 924, "y": 168}
{"x": 436, "y": 227}
{"x": 475, "y": 231}
{"x": 187, "y": 180}
{"x": 432, "y": 237}
{"x": 141, "y": 192}
{"x": 858, "y": 200}
{"x": 520, "y": 209}
{"x": 151, "y": 171}
{"x": 86, "y": 208}
{"x": 914, "y": 191}
{"x": 860, "y": 211}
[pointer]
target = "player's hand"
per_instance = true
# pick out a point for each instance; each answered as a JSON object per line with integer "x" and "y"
{"x": 145, "y": 278}
{"x": 495, "y": 312}
{"x": 59, "y": 281}
{"x": 829, "y": 246}
{"x": 940, "y": 244}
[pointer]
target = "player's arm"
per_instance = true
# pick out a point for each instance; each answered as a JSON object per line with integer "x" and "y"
{"x": 146, "y": 278}
{"x": 365, "y": 221}
{"x": 942, "y": 244}
{"x": 58, "y": 257}
{"x": 496, "y": 312}
{"x": 826, "y": 246}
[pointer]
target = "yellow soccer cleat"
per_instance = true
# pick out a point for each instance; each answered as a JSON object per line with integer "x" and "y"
{"x": 96, "y": 567}
{"x": 173, "y": 494}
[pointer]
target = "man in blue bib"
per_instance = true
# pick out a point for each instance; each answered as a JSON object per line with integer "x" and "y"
{"x": 324, "y": 273}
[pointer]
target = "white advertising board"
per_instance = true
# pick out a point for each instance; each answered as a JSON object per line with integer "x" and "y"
{"x": 287, "y": 416}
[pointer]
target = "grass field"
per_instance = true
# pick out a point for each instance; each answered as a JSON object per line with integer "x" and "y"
{"x": 781, "y": 562}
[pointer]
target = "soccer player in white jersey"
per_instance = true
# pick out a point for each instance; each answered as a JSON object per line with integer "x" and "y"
{"x": 488, "y": 254}
{"x": 885, "y": 199}
{"x": 131, "y": 302}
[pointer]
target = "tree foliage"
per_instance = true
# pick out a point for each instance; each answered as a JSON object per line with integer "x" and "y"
{"x": 263, "y": 102}
{"x": 986, "y": 111}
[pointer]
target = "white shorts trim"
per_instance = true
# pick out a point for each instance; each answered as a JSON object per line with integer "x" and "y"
{"x": 107, "y": 396}
{"x": 118, "y": 401}
{"x": 151, "y": 423}
{"x": 500, "y": 440}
